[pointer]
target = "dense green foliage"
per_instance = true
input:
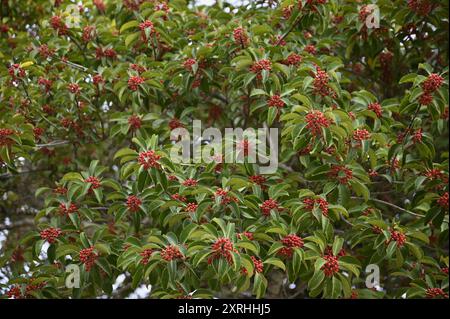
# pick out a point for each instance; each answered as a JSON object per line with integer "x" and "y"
{"x": 88, "y": 98}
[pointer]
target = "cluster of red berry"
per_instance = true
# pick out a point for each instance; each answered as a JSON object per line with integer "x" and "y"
{"x": 275, "y": 101}
{"x": 191, "y": 207}
{"x": 5, "y": 134}
{"x": 315, "y": 120}
{"x": 420, "y": 7}
{"x": 429, "y": 86}
{"x": 322, "y": 203}
{"x": 94, "y": 181}
{"x": 74, "y": 88}
{"x": 16, "y": 71}
{"x": 443, "y": 201}
{"x": 171, "y": 252}
{"x": 134, "y": 82}
{"x": 225, "y": 197}
{"x": 417, "y": 136}
{"x": 146, "y": 254}
{"x": 258, "y": 66}
{"x": 259, "y": 267}
{"x": 364, "y": 13}
{"x": 88, "y": 257}
{"x": 257, "y": 179}
{"x": 149, "y": 159}
{"x": 60, "y": 190}
{"x": 146, "y": 28}
{"x": 311, "y": 49}
{"x": 222, "y": 247}
{"x": 360, "y": 135}
{"x": 436, "y": 292}
{"x": 190, "y": 182}
{"x": 398, "y": 237}
{"x": 133, "y": 203}
{"x": 320, "y": 83}
{"x": 58, "y": 25}
{"x": 247, "y": 234}
{"x": 188, "y": 63}
{"x": 175, "y": 123}
{"x": 100, "y": 5}
{"x": 240, "y": 37}
{"x": 268, "y": 205}
{"x": 135, "y": 122}
{"x": 16, "y": 292}
{"x": 329, "y": 251}
{"x": 178, "y": 197}
{"x": 341, "y": 173}
{"x": 50, "y": 234}
{"x": 290, "y": 242}
{"x": 376, "y": 108}
{"x": 65, "y": 211}
{"x": 46, "y": 84}
{"x": 377, "y": 230}
{"x": 88, "y": 33}
{"x": 331, "y": 265}
{"x": 293, "y": 59}
{"x": 133, "y": 5}
{"x": 37, "y": 132}
{"x": 105, "y": 53}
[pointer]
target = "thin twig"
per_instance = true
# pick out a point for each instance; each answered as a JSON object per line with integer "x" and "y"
{"x": 391, "y": 205}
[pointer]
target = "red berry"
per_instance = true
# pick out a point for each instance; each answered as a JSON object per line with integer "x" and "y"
{"x": 135, "y": 122}
{"x": 247, "y": 234}
{"x": 222, "y": 247}
{"x": 420, "y": 7}
{"x": 322, "y": 203}
{"x": 360, "y": 135}
{"x": 188, "y": 64}
{"x": 88, "y": 33}
{"x": 341, "y": 173}
{"x": 436, "y": 292}
{"x": 417, "y": 137}
{"x": 65, "y": 211}
{"x": 315, "y": 121}
{"x": 146, "y": 254}
{"x": 50, "y": 234}
{"x": 443, "y": 201}
{"x": 426, "y": 98}
{"x": 94, "y": 181}
{"x": 170, "y": 253}
{"x": 191, "y": 207}
{"x": 311, "y": 49}
{"x": 149, "y": 159}
{"x": 74, "y": 88}
{"x": 289, "y": 242}
{"x": 331, "y": 265}
{"x": 398, "y": 237}
{"x": 240, "y": 37}
{"x": 134, "y": 82}
{"x": 268, "y": 205}
{"x": 190, "y": 182}
{"x": 275, "y": 101}
{"x": 258, "y": 264}
{"x": 432, "y": 83}
{"x": 5, "y": 134}
{"x": 88, "y": 257}
{"x": 257, "y": 179}
{"x": 258, "y": 66}
{"x": 293, "y": 59}
{"x": 376, "y": 108}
